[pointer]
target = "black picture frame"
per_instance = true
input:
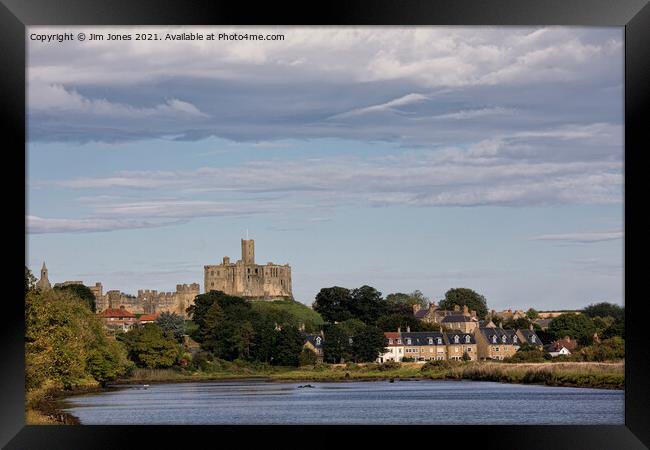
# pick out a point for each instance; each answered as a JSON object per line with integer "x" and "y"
{"x": 634, "y": 15}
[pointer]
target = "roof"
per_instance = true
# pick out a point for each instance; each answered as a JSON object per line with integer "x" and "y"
{"x": 489, "y": 333}
{"x": 116, "y": 312}
{"x": 314, "y": 339}
{"x": 422, "y": 338}
{"x": 456, "y": 318}
{"x": 531, "y": 337}
{"x": 421, "y": 313}
{"x": 148, "y": 317}
{"x": 391, "y": 335}
{"x": 461, "y": 336}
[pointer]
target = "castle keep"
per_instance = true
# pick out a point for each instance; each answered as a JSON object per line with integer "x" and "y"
{"x": 247, "y": 279}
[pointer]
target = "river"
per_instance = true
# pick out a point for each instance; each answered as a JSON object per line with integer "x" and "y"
{"x": 369, "y": 402}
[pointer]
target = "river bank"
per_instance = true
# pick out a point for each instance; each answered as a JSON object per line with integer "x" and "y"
{"x": 46, "y": 406}
{"x": 574, "y": 374}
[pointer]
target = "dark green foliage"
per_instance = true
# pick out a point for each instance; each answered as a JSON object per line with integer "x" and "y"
{"x": 333, "y": 304}
{"x": 149, "y": 347}
{"x": 335, "y": 345}
{"x": 288, "y": 347}
{"x": 367, "y": 344}
{"x": 307, "y": 357}
{"x": 82, "y": 292}
{"x": 30, "y": 280}
{"x": 515, "y": 324}
{"x": 414, "y": 298}
{"x": 576, "y": 326}
{"x": 367, "y": 304}
{"x": 466, "y": 356}
{"x": 172, "y": 323}
{"x": 607, "y": 349}
{"x": 465, "y": 297}
{"x": 408, "y": 359}
{"x": 202, "y": 361}
{"x": 604, "y": 309}
{"x": 527, "y": 353}
{"x": 289, "y": 312}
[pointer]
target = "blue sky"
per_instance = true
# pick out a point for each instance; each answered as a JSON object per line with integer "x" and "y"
{"x": 403, "y": 158}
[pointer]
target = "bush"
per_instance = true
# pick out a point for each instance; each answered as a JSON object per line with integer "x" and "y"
{"x": 203, "y": 361}
{"x": 436, "y": 365}
{"x": 408, "y": 359}
{"x": 307, "y": 358}
{"x": 389, "y": 365}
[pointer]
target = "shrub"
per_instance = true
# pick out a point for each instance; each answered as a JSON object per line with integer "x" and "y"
{"x": 408, "y": 359}
{"x": 307, "y": 358}
{"x": 436, "y": 365}
{"x": 389, "y": 365}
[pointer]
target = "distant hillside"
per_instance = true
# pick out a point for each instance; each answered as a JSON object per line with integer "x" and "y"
{"x": 300, "y": 312}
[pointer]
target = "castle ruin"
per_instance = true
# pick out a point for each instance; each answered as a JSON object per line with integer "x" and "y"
{"x": 247, "y": 279}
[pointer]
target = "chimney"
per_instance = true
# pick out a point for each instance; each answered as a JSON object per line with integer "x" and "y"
{"x": 530, "y": 327}
{"x": 465, "y": 310}
{"x": 408, "y": 329}
{"x": 456, "y": 308}
{"x": 399, "y": 330}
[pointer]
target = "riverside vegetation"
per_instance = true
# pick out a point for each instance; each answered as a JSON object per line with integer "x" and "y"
{"x": 68, "y": 350}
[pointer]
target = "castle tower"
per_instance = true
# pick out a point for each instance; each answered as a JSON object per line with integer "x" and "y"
{"x": 248, "y": 251}
{"x": 43, "y": 283}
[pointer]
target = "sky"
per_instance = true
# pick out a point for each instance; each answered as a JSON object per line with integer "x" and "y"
{"x": 402, "y": 158}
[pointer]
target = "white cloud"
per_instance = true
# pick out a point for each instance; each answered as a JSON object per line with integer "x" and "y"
{"x": 40, "y": 225}
{"x": 387, "y": 106}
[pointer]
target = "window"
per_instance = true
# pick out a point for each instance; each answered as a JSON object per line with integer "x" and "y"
{"x": 318, "y": 341}
{"x": 503, "y": 339}
{"x": 455, "y": 339}
{"x": 430, "y": 340}
{"x": 532, "y": 338}
{"x": 469, "y": 349}
{"x": 496, "y": 349}
{"x": 494, "y": 339}
{"x": 212, "y": 272}
{"x": 456, "y": 349}
{"x": 390, "y": 341}
{"x": 399, "y": 341}
{"x": 467, "y": 339}
{"x": 408, "y": 341}
{"x": 212, "y": 284}
{"x": 439, "y": 341}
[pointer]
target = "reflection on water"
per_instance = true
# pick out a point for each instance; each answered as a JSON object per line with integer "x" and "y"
{"x": 371, "y": 402}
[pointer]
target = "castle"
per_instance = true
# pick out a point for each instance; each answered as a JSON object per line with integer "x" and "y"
{"x": 247, "y": 279}
{"x": 146, "y": 302}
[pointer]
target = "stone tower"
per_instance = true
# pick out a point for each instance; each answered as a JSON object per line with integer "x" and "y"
{"x": 248, "y": 251}
{"x": 43, "y": 282}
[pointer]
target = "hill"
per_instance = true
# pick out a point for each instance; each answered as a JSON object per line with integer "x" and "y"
{"x": 301, "y": 313}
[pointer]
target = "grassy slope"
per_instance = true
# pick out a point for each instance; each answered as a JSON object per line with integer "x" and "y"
{"x": 301, "y": 311}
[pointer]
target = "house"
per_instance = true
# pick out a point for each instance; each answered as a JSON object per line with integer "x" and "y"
{"x": 463, "y": 322}
{"x": 458, "y": 343}
{"x": 496, "y": 343}
{"x": 424, "y": 345}
{"x": 556, "y": 350}
{"x": 543, "y": 323}
{"x": 530, "y": 337}
{"x": 147, "y": 318}
{"x": 395, "y": 349}
{"x": 567, "y": 342}
{"x": 509, "y": 314}
{"x": 118, "y": 319}
{"x": 314, "y": 342}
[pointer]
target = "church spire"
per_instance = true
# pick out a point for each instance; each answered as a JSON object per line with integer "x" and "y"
{"x": 43, "y": 283}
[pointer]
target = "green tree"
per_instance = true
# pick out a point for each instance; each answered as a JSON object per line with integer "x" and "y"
{"x": 576, "y": 326}
{"x": 465, "y": 297}
{"x": 466, "y": 356}
{"x": 527, "y": 353}
{"x": 336, "y": 344}
{"x": 288, "y": 347}
{"x": 604, "y": 309}
{"x": 514, "y": 324}
{"x": 333, "y": 304}
{"x": 30, "y": 280}
{"x": 65, "y": 342}
{"x": 532, "y": 314}
{"x": 368, "y": 344}
{"x": 172, "y": 323}
{"x": 149, "y": 347}
{"x": 414, "y": 298}
{"x": 82, "y": 292}
{"x": 367, "y": 304}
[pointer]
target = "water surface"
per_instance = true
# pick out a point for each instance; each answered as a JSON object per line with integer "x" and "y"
{"x": 365, "y": 402}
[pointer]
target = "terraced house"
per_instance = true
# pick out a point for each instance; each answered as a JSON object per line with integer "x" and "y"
{"x": 460, "y": 343}
{"x": 496, "y": 343}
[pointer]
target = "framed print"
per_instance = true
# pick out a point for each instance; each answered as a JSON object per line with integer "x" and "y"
{"x": 370, "y": 219}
